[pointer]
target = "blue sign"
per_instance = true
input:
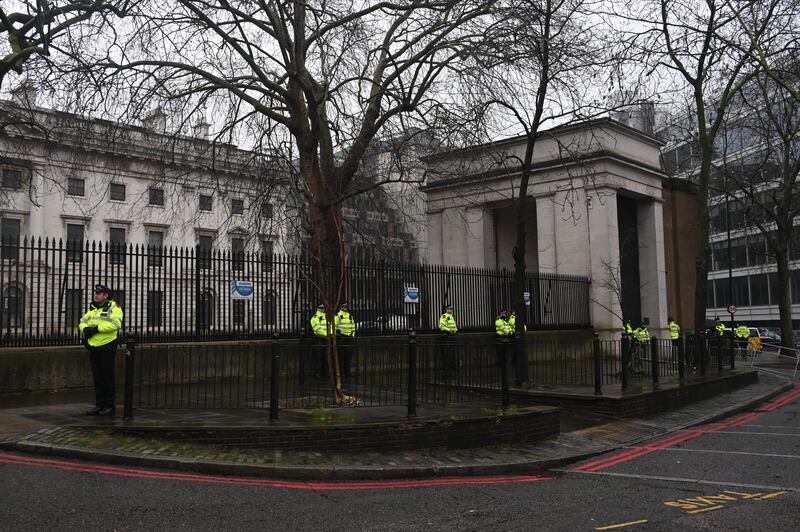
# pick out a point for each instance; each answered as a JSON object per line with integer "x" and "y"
{"x": 526, "y": 297}
{"x": 411, "y": 294}
{"x": 241, "y": 290}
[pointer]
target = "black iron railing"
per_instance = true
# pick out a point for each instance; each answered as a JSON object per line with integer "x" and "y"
{"x": 173, "y": 294}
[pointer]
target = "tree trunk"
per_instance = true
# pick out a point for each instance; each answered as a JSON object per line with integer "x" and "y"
{"x": 701, "y": 243}
{"x": 785, "y": 302}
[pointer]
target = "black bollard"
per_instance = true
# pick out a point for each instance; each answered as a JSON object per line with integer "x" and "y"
{"x": 654, "y": 359}
{"x": 625, "y": 346}
{"x": 682, "y": 357}
{"x": 130, "y": 353}
{"x": 412, "y": 373}
{"x": 701, "y": 351}
{"x": 301, "y": 355}
{"x": 598, "y": 377}
{"x": 274, "y": 378}
{"x": 504, "y": 393}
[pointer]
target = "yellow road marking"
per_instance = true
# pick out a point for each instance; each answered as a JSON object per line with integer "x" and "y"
{"x": 771, "y": 495}
{"x": 705, "y": 509}
{"x": 629, "y": 523}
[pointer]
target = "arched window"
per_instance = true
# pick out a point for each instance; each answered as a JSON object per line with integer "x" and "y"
{"x": 13, "y": 307}
{"x": 270, "y": 311}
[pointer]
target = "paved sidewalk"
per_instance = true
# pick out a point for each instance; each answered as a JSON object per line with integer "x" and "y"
{"x": 100, "y": 444}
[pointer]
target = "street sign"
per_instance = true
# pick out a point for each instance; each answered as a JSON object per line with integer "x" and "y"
{"x": 411, "y": 294}
{"x": 731, "y": 309}
{"x": 526, "y": 297}
{"x": 241, "y": 290}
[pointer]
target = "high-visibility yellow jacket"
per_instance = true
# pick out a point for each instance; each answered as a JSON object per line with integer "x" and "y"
{"x": 742, "y": 332}
{"x": 319, "y": 324}
{"x": 642, "y": 334}
{"x": 502, "y": 327}
{"x": 674, "y": 330}
{"x": 720, "y": 328}
{"x": 447, "y": 323}
{"x": 107, "y": 318}
{"x": 344, "y": 324}
{"x": 629, "y": 331}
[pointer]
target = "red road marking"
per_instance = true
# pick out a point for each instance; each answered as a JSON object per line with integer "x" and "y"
{"x": 217, "y": 479}
{"x": 683, "y": 436}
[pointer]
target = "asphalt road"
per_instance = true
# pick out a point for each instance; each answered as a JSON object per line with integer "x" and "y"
{"x": 742, "y": 473}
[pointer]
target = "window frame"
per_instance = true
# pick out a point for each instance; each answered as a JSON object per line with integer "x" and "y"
{"x": 111, "y": 188}
{"x": 72, "y": 184}
{"x": 201, "y": 200}
{"x": 153, "y": 192}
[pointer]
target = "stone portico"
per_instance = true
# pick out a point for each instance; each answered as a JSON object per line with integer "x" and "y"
{"x": 595, "y": 209}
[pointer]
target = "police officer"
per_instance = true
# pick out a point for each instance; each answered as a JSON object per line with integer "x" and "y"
{"x": 449, "y": 329}
{"x": 502, "y": 327}
{"x": 502, "y": 330}
{"x": 674, "y": 331}
{"x": 100, "y": 328}
{"x": 742, "y": 337}
{"x": 319, "y": 326}
{"x": 345, "y": 336}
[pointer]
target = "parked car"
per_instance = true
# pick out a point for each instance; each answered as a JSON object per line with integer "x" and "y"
{"x": 392, "y": 323}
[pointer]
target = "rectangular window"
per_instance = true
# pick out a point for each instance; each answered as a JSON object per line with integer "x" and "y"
{"x": 757, "y": 250}
{"x": 266, "y": 211}
{"x": 738, "y": 253}
{"x": 741, "y": 292}
{"x": 9, "y": 238}
{"x": 75, "y": 186}
{"x": 237, "y": 206}
{"x": 237, "y": 254}
{"x": 156, "y": 196}
{"x": 12, "y": 178}
{"x": 720, "y": 254}
{"x": 266, "y": 255}
{"x": 710, "y": 295}
{"x": 723, "y": 292}
{"x": 154, "y": 308}
{"x": 206, "y": 202}
{"x": 155, "y": 248}
{"x": 73, "y": 306}
{"x": 74, "y": 242}
{"x": 117, "y": 192}
{"x": 759, "y": 290}
{"x": 116, "y": 240}
{"x": 794, "y": 282}
{"x": 204, "y": 243}
{"x": 238, "y": 312}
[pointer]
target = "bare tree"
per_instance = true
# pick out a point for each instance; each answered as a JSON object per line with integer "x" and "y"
{"x": 688, "y": 42}
{"x": 33, "y": 28}
{"x": 760, "y": 163}
{"x": 323, "y": 78}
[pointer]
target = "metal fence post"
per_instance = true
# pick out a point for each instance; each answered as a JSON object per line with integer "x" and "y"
{"x": 274, "y": 378}
{"x": 504, "y": 393}
{"x": 654, "y": 359}
{"x": 130, "y": 353}
{"x": 719, "y": 353}
{"x": 301, "y": 356}
{"x": 701, "y": 351}
{"x": 732, "y": 351}
{"x": 682, "y": 357}
{"x": 520, "y": 359}
{"x": 412, "y": 373}
{"x": 598, "y": 377}
{"x": 626, "y": 352}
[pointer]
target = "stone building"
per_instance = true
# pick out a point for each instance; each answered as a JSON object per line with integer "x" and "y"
{"x": 596, "y": 209}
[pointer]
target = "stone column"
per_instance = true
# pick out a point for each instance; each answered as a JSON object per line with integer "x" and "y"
{"x": 652, "y": 269}
{"x": 454, "y": 236}
{"x": 435, "y": 237}
{"x": 603, "y": 250}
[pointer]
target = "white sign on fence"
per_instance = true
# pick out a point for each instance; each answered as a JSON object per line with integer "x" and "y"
{"x": 241, "y": 290}
{"x": 526, "y": 297}
{"x": 411, "y": 294}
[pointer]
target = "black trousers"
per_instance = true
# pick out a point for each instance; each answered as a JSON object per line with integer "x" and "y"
{"x": 448, "y": 364}
{"x": 319, "y": 359}
{"x": 344, "y": 345}
{"x": 102, "y": 360}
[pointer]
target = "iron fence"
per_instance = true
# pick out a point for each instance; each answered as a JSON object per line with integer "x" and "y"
{"x": 203, "y": 376}
{"x": 171, "y": 294}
